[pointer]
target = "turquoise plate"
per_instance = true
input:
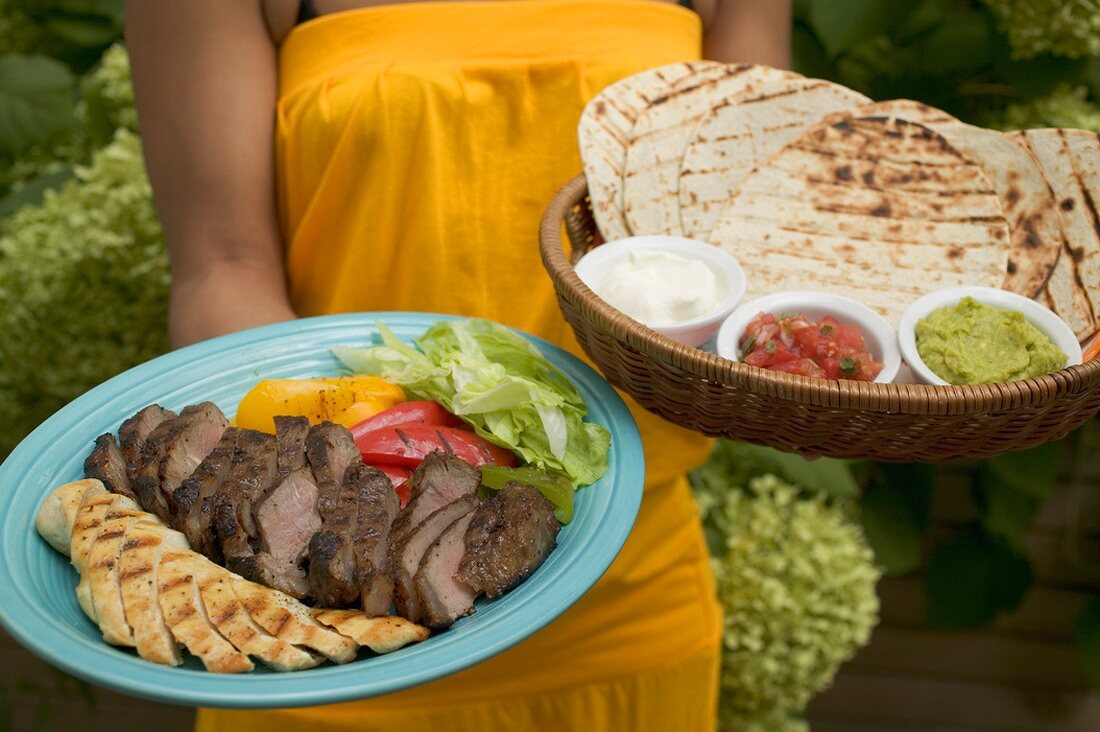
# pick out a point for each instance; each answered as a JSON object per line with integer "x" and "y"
{"x": 37, "y": 585}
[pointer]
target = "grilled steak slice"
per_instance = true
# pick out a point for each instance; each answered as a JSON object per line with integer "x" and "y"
{"x": 251, "y": 474}
{"x": 290, "y": 432}
{"x": 172, "y": 451}
{"x": 443, "y": 597}
{"x": 188, "y": 515}
{"x": 134, "y": 431}
{"x": 406, "y": 555}
{"x": 509, "y": 537}
{"x": 332, "y": 576}
{"x": 378, "y": 506}
{"x": 439, "y": 480}
{"x": 286, "y": 519}
{"x": 106, "y": 464}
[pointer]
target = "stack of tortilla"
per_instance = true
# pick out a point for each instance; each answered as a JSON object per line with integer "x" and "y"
{"x": 810, "y": 185}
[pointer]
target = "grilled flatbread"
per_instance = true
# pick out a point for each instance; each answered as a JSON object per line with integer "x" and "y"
{"x": 186, "y": 616}
{"x": 1026, "y": 198}
{"x": 1070, "y": 160}
{"x": 380, "y": 634}
{"x": 660, "y": 137}
{"x": 235, "y": 624}
{"x": 284, "y": 617}
{"x": 737, "y": 135}
{"x": 604, "y": 132}
{"x": 880, "y": 210}
{"x": 142, "y": 547}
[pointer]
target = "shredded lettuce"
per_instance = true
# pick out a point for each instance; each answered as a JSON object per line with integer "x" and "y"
{"x": 499, "y": 383}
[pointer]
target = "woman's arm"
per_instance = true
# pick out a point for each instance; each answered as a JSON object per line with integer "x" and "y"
{"x": 750, "y": 31}
{"x": 204, "y": 79}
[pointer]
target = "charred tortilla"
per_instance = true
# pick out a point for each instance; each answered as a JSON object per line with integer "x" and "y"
{"x": 881, "y": 210}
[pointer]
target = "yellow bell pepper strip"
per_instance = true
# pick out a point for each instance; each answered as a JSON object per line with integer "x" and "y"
{"x": 346, "y": 400}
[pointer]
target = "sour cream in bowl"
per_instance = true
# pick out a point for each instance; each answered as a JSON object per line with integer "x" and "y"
{"x": 819, "y": 309}
{"x": 681, "y": 288}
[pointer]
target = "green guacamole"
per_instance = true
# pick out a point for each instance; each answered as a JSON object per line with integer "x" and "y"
{"x": 974, "y": 343}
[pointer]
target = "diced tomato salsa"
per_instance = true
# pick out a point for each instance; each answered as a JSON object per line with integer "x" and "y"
{"x": 794, "y": 344}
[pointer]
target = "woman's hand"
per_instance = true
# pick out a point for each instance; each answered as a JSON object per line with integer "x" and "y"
{"x": 205, "y": 85}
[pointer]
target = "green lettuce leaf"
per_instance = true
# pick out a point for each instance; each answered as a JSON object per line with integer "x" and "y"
{"x": 499, "y": 383}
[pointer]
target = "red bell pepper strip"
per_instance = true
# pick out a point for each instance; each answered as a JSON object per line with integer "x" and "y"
{"x": 407, "y": 413}
{"x": 408, "y": 445}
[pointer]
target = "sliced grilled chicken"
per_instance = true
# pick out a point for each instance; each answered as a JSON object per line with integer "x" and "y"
{"x": 186, "y": 616}
{"x": 381, "y": 635}
{"x": 443, "y": 598}
{"x": 57, "y": 515}
{"x": 142, "y": 547}
{"x": 237, "y": 626}
{"x": 106, "y": 464}
{"x": 97, "y": 501}
{"x": 407, "y": 554}
{"x": 102, "y": 574}
{"x": 286, "y": 618}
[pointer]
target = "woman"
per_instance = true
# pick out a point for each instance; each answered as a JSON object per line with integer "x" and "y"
{"x": 398, "y": 157}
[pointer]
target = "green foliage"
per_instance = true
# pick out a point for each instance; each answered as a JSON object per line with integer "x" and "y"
{"x": 35, "y": 101}
{"x": 83, "y": 287}
{"x": 1058, "y": 27}
{"x": 797, "y": 582}
{"x": 1065, "y": 106}
{"x": 972, "y": 578}
{"x": 894, "y": 510}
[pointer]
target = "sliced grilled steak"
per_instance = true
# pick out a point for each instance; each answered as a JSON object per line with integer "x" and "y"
{"x": 286, "y": 519}
{"x": 509, "y": 537}
{"x": 291, "y": 434}
{"x": 378, "y": 506}
{"x": 251, "y": 474}
{"x": 332, "y": 576}
{"x": 172, "y": 451}
{"x": 443, "y": 597}
{"x": 134, "y": 431}
{"x": 406, "y": 555}
{"x": 106, "y": 464}
{"x": 439, "y": 480}
{"x": 188, "y": 515}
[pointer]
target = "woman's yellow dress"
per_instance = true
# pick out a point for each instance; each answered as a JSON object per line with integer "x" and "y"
{"x": 417, "y": 147}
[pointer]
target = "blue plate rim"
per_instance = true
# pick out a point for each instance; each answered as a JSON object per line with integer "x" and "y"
{"x": 30, "y": 628}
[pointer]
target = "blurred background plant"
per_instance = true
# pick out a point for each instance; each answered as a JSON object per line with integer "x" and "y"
{"x": 797, "y": 546}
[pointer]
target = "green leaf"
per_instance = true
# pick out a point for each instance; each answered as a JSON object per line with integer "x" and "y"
{"x": 31, "y": 193}
{"x": 808, "y": 56}
{"x": 971, "y": 579}
{"x": 84, "y": 31}
{"x": 1087, "y": 639}
{"x": 960, "y": 47}
{"x": 840, "y": 24}
{"x": 824, "y": 475}
{"x": 1006, "y": 510}
{"x": 1032, "y": 472}
{"x": 894, "y": 510}
{"x": 37, "y": 101}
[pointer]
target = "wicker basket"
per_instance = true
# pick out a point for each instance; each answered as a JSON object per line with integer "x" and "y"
{"x": 847, "y": 419}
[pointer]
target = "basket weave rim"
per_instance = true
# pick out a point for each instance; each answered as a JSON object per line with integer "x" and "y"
{"x": 917, "y": 399}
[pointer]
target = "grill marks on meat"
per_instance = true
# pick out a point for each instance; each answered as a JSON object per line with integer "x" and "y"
{"x": 134, "y": 431}
{"x": 443, "y": 597}
{"x": 441, "y": 479}
{"x": 509, "y": 537}
{"x": 287, "y": 516}
{"x": 172, "y": 451}
{"x": 251, "y": 474}
{"x": 378, "y": 506}
{"x": 406, "y": 554}
{"x": 332, "y": 576}
{"x": 198, "y": 490}
{"x": 106, "y": 464}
